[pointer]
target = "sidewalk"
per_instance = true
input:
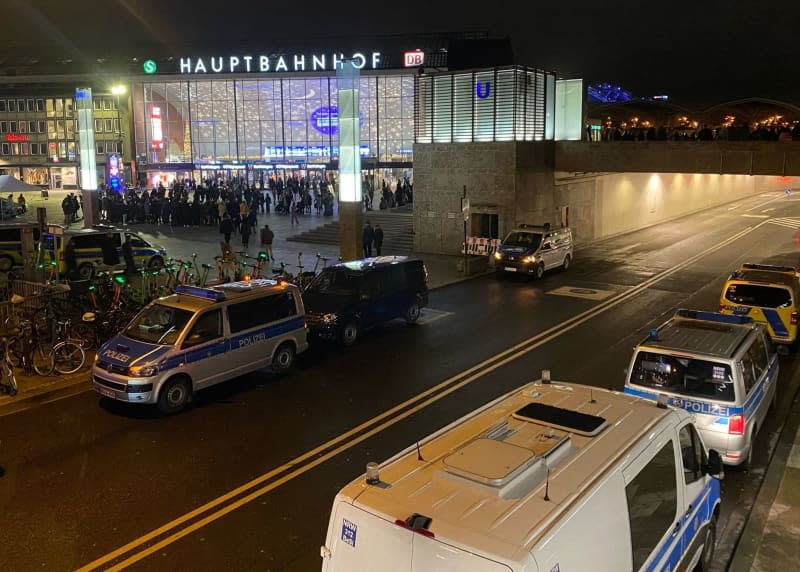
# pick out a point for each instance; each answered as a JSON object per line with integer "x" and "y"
{"x": 36, "y": 389}
{"x": 771, "y": 538}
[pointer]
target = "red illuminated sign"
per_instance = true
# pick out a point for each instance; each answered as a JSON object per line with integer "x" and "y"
{"x": 413, "y": 59}
{"x": 157, "y": 139}
{"x": 17, "y": 137}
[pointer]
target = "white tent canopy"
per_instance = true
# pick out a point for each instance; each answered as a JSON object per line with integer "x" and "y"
{"x": 9, "y": 184}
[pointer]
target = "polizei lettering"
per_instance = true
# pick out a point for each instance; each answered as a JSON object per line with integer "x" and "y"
{"x": 117, "y": 356}
{"x": 255, "y": 338}
{"x": 280, "y": 63}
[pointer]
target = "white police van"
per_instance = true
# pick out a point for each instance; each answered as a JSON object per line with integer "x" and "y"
{"x": 198, "y": 337}
{"x": 722, "y": 368}
{"x": 549, "y": 477}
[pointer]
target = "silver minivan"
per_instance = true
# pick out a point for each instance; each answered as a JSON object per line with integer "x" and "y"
{"x": 198, "y": 337}
{"x": 724, "y": 369}
{"x": 532, "y": 249}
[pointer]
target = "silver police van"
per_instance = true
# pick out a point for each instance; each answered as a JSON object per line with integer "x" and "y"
{"x": 724, "y": 369}
{"x": 198, "y": 337}
{"x": 533, "y": 249}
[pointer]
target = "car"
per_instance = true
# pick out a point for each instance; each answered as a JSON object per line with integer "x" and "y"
{"x": 552, "y": 476}
{"x": 768, "y": 294}
{"x": 532, "y": 249}
{"x": 349, "y": 298}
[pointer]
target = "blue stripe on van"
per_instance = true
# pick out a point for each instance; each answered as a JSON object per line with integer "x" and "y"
{"x": 775, "y": 322}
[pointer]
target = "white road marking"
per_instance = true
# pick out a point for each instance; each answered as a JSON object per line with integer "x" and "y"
{"x": 756, "y": 215}
{"x": 430, "y": 315}
{"x": 585, "y": 293}
{"x": 788, "y": 222}
{"x": 734, "y": 207}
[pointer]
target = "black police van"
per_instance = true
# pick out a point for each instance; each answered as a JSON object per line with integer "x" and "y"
{"x": 348, "y": 298}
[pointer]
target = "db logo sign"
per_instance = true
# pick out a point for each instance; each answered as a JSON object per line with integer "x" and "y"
{"x": 413, "y": 59}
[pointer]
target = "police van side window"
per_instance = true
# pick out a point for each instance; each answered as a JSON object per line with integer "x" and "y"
{"x": 652, "y": 503}
{"x": 748, "y": 372}
{"x": 692, "y": 454}
{"x": 260, "y": 311}
{"x": 208, "y": 327}
{"x": 279, "y": 306}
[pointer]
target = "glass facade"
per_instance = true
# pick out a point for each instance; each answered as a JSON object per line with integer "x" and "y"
{"x": 292, "y": 119}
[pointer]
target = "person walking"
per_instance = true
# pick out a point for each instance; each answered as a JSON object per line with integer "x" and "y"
{"x": 267, "y": 236}
{"x": 378, "y": 239}
{"x": 367, "y": 237}
{"x": 226, "y": 227}
{"x": 293, "y": 206}
{"x": 245, "y": 232}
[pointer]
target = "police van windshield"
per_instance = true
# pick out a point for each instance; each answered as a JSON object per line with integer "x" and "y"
{"x": 684, "y": 376}
{"x": 529, "y": 240}
{"x": 336, "y": 282}
{"x": 158, "y": 324}
{"x": 756, "y": 295}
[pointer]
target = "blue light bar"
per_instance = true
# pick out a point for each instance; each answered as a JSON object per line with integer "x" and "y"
{"x": 713, "y": 317}
{"x": 198, "y": 292}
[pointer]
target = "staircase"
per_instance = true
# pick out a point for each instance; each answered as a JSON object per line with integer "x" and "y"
{"x": 398, "y": 235}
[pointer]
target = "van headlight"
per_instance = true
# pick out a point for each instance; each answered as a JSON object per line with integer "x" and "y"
{"x": 498, "y": 255}
{"x": 142, "y": 370}
{"x": 329, "y": 318}
{"x": 529, "y": 259}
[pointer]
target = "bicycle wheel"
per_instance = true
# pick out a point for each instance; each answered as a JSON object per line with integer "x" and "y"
{"x": 15, "y": 351}
{"x": 42, "y": 358}
{"x": 10, "y": 380}
{"x": 84, "y": 333}
{"x": 68, "y": 357}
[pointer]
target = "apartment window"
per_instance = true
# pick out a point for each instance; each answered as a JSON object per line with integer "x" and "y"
{"x": 108, "y": 126}
{"x": 59, "y": 107}
{"x": 12, "y": 126}
{"x": 51, "y": 107}
{"x": 5, "y": 149}
{"x": 52, "y": 149}
{"x": 51, "y": 129}
{"x": 40, "y": 126}
{"x": 30, "y": 105}
{"x": 111, "y": 146}
{"x": 60, "y": 128}
{"x": 31, "y": 127}
{"x": 23, "y": 148}
{"x": 101, "y": 148}
{"x": 68, "y": 106}
{"x": 15, "y": 148}
{"x": 116, "y": 126}
{"x": 98, "y": 103}
{"x": 62, "y": 149}
{"x": 3, "y": 126}
{"x": 34, "y": 148}
{"x": 71, "y": 150}
{"x": 23, "y": 126}
{"x": 3, "y": 106}
{"x": 12, "y": 105}
{"x": 98, "y": 125}
{"x": 20, "y": 105}
{"x": 40, "y": 105}
{"x": 70, "y": 129}
{"x": 106, "y": 103}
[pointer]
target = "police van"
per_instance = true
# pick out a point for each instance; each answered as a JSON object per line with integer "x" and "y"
{"x": 199, "y": 337}
{"x": 11, "y": 237}
{"x": 723, "y": 369}
{"x": 533, "y": 249}
{"x": 90, "y": 243}
{"x": 549, "y": 477}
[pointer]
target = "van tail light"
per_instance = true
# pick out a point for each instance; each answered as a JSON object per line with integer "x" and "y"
{"x": 721, "y": 307}
{"x": 736, "y": 424}
{"x": 793, "y": 319}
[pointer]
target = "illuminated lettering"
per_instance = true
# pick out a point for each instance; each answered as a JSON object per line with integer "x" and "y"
{"x": 234, "y": 61}
{"x": 376, "y": 59}
{"x": 281, "y": 65}
{"x": 247, "y": 60}
{"x": 337, "y": 61}
{"x": 263, "y": 63}
{"x": 200, "y": 67}
{"x": 359, "y": 57}
{"x": 318, "y": 62}
{"x": 216, "y": 67}
{"x": 300, "y": 63}
{"x": 186, "y": 65}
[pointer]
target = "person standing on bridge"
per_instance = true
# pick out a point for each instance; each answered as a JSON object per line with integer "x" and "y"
{"x": 378, "y": 239}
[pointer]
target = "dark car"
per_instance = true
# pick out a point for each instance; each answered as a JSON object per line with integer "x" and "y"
{"x": 348, "y": 298}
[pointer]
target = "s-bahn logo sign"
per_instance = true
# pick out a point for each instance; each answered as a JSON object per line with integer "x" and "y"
{"x": 283, "y": 63}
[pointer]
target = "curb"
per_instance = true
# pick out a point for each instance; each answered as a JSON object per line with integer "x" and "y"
{"x": 60, "y": 388}
{"x": 750, "y": 539}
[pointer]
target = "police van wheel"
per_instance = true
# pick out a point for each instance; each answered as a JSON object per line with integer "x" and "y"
{"x": 6, "y": 262}
{"x": 349, "y": 334}
{"x": 283, "y": 358}
{"x": 156, "y": 263}
{"x": 707, "y": 556}
{"x": 539, "y": 271}
{"x": 412, "y": 314}
{"x": 567, "y": 261}
{"x": 174, "y": 395}
{"x": 85, "y": 271}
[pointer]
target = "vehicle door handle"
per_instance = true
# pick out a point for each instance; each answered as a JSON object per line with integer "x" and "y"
{"x": 676, "y": 529}
{"x": 689, "y": 510}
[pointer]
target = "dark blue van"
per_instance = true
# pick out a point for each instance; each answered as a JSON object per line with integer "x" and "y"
{"x": 348, "y": 298}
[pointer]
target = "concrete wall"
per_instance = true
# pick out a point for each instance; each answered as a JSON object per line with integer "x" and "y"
{"x": 717, "y": 157}
{"x": 516, "y": 181}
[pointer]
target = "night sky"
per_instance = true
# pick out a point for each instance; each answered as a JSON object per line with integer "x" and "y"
{"x": 698, "y": 51}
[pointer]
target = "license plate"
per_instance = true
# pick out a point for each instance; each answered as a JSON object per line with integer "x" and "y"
{"x": 510, "y": 269}
{"x": 106, "y": 392}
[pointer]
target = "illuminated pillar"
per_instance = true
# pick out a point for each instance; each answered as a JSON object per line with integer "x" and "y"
{"x": 83, "y": 107}
{"x": 350, "y": 200}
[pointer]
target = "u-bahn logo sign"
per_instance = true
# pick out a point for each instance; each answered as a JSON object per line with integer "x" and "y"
{"x": 483, "y": 89}
{"x": 283, "y": 63}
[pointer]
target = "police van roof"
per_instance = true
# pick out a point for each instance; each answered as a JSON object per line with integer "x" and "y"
{"x": 483, "y": 480}
{"x": 707, "y": 333}
{"x": 194, "y": 297}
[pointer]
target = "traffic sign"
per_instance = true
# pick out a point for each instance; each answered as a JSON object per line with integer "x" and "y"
{"x": 149, "y": 66}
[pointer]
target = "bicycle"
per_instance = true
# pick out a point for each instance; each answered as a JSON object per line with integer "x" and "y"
{"x": 68, "y": 354}
{"x": 26, "y": 348}
{"x": 8, "y": 381}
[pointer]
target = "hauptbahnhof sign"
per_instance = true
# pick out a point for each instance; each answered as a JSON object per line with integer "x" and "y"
{"x": 281, "y": 63}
